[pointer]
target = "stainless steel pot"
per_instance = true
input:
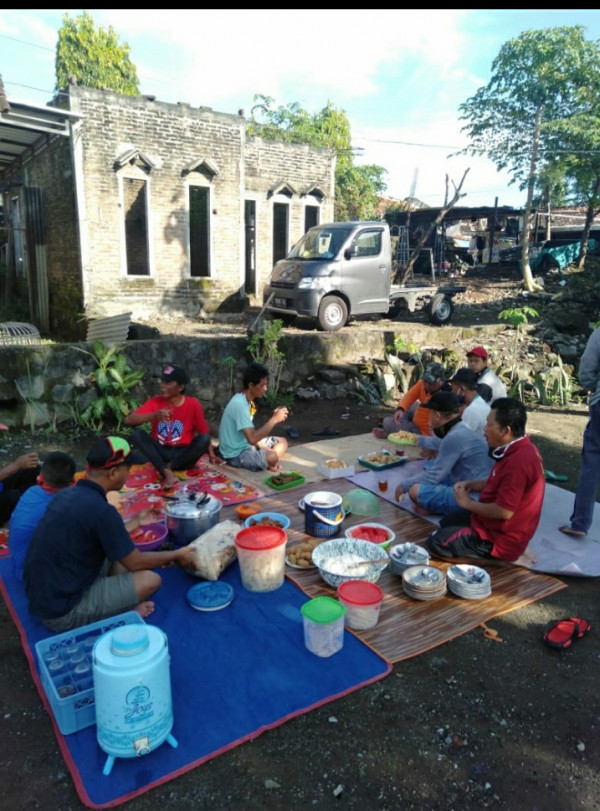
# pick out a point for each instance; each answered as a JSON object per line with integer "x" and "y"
{"x": 191, "y": 515}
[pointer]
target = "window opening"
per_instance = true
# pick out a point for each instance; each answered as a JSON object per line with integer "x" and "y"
{"x": 136, "y": 226}
{"x": 199, "y": 202}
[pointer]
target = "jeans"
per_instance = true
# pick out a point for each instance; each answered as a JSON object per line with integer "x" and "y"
{"x": 589, "y": 475}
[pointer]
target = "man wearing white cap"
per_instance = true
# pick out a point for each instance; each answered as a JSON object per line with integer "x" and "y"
{"x": 477, "y": 359}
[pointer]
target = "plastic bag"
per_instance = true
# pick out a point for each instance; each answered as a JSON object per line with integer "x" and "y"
{"x": 215, "y": 550}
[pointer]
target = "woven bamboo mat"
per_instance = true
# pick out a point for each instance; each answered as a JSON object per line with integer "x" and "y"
{"x": 409, "y": 627}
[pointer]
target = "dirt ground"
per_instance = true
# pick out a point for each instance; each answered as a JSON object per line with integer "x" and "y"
{"x": 474, "y": 723}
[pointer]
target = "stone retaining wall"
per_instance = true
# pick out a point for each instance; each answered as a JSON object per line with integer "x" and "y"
{"x": 49, "y": 384}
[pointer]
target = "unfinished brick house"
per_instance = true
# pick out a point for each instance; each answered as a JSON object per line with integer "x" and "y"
{"x": 148, "y": 207}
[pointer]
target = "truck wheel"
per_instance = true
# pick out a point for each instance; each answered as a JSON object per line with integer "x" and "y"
{"x": 440, "y": 310}
{"x": 333, "y": 314}
{"x": 396, "y": 307}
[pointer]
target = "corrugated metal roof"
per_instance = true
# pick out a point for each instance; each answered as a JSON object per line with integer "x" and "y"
{"x": 110, "y": 330}
{"x": 23, "y": 125}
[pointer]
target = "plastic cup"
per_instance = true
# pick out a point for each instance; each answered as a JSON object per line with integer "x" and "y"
{"x": 382, "y": 483}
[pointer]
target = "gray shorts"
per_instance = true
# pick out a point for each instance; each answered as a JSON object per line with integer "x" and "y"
{"x": 107, "y": 596}
{"x": 255, "y": 458}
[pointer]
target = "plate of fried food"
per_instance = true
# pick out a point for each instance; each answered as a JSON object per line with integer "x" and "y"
{"x": 403, "y": 438}
{"x": 381, "y": 460}
{"x": 299, "y": 555}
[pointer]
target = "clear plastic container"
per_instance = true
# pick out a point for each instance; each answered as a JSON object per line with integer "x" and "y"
{"x": 323, "y": 620}
{"x": 362, "y": 601}
{"x": 261, "y": 553}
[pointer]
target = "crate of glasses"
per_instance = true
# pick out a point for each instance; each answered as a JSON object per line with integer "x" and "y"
{"x": 65, "y": 667}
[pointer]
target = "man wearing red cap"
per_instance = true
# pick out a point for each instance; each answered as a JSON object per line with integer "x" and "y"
{"x": 477, "y": 359}
{"x": 179, "y": 432}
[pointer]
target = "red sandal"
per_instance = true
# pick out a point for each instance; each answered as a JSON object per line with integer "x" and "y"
{"x": 563, "y": 633}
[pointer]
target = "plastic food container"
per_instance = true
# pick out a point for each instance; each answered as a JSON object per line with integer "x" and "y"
{"x": 261, "y": 553}
{"x": 323, "y": 620}
{"x": 362, "y": 601}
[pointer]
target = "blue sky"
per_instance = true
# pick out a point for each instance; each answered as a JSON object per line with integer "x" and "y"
{"x": 399, "y": 75}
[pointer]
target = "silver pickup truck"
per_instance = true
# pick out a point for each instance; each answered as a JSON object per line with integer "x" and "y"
{"x": 343, "y": 269}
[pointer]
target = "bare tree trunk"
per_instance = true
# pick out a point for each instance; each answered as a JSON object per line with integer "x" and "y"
{"x": 433, "y": 226}
{"x": 528, "y": 282}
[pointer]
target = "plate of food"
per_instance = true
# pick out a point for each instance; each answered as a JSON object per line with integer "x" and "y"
{"x": 403, "y": 438}
{"x": 381, "y": 460}
{"x": 299, "y": 555}
{"x": 283, "y": 481}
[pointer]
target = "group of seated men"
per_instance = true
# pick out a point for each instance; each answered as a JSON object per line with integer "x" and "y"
{"x": 79, "y": 564}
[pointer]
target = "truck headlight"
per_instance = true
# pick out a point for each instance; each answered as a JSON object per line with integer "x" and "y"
{"x": 309, "y": 283}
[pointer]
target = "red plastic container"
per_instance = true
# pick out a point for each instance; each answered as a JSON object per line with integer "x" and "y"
{"x": 362, "y": 601}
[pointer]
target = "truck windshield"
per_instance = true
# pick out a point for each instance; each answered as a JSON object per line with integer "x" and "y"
{"x": 320, "y": 243}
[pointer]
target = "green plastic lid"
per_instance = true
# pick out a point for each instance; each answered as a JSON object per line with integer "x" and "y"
{"x": 323, "y": 609}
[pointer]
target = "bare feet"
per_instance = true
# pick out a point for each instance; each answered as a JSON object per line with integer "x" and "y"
{"x": 169, "y": 478}
{"x": 145, "y": 609}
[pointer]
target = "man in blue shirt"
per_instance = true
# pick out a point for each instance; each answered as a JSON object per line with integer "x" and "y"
{"x": 82, "y": 565}
{"x": 58, "y": 470}
{"x": 462, "y": 454}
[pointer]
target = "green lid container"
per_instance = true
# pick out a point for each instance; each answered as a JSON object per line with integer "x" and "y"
{"x": 323, "y": 610}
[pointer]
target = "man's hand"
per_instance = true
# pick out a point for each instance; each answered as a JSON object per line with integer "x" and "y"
{"x": 27, "y": 461}
{"x": 398, "y": 414}
{"x": 280, "y": 414}
{"x": 163, "y": 414}
{"x": 186, "y": 557}
{"x": 461, "y": 493}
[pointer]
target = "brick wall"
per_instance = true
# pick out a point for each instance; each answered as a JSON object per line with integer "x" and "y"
{"x": 162, "y": 140}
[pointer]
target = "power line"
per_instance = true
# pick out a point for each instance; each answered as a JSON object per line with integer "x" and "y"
{"x": 24, "y": 42}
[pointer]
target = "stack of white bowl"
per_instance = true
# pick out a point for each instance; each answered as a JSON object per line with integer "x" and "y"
{"x": 468, "y": 581}
{"x": 424, "y": 582}
{"x": 404, "y": 555}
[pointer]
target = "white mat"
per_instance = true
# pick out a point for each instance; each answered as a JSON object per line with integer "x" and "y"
{"x": 549, "y": 551}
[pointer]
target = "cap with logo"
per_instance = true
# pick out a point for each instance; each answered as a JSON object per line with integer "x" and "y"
{"x": 479, "y": 351}
{"x": 443, "y": 401}
{"x": 176, "y": 373}
{"x": 434, "y": 372}
{"x": 111, "y": 452}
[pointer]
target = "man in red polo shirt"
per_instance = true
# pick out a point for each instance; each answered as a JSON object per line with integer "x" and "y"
{"x": 502, "y": 522}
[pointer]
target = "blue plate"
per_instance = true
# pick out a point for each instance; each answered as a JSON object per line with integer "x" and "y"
{"x": 211, "y": 595}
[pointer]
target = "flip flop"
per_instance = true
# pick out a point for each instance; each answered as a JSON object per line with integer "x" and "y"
{"x": 563, "y": 633}
{"x": 551, "y": 476}
{"x": 576, "y": 533}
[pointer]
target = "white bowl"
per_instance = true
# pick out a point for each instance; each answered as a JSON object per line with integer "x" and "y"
{"x": 334, "y": 558}
{"x": 404, "y": 555}
{"x": 381, "y": 544}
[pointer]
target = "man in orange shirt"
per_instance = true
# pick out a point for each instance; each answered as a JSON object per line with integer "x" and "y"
{"x": 409, "y": 415}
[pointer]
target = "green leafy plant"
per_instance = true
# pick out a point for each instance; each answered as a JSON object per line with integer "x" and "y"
{"x": 264, "y": 348}
{"x": 27, "y": 393}
{"x": 114, "y": 380}
{"x": 517, "y": 317}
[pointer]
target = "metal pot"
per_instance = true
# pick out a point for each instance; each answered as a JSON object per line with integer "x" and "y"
{"x": 191, "y": 516}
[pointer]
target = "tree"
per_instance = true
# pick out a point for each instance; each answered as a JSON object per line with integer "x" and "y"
{"x": 356, "y": 187}
{"x": 537, "y": 82}
{"x": 93, "y": 57}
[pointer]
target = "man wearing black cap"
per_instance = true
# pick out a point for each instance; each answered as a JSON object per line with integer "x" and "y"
{"x": 82, "y": 565}
{"x": 179, "y": 432}
{"x": 477, "y": 360}
{"x": 475, "y": 409}
{"x": 461, "y": 453}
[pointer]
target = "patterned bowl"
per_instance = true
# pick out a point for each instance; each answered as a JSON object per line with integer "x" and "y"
{"x": 336, "y": 560}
